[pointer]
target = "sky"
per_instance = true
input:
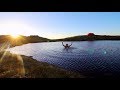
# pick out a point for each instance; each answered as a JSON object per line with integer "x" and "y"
{"x": 55, "y": 25}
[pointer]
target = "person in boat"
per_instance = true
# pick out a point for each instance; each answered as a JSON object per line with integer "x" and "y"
{"x": 66, "y": 46}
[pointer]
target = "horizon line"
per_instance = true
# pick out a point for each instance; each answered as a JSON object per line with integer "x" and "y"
{"x": 60, "y": 38}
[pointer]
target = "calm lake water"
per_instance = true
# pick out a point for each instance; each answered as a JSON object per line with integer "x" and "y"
{"x": 87, "y": 57}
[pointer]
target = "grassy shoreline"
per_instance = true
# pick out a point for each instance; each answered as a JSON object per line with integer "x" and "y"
{"x": 20, "y": 66}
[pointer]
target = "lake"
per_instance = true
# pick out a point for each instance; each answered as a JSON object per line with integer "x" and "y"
{"x": 96, "y": 58}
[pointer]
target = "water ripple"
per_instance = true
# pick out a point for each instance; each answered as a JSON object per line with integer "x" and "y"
{"x": 99, "y": 56}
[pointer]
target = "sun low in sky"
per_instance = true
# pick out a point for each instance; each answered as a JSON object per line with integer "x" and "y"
{"x": 15, "y": 36}
{"x": 16, "y": 28}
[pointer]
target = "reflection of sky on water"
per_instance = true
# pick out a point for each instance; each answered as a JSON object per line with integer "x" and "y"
{"x": 95, "y": 56}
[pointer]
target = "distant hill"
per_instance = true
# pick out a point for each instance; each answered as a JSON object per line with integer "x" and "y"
{"x": 89, "y": 38}
{"x": 22, "y": 39}
{"x": 35, "y": 39}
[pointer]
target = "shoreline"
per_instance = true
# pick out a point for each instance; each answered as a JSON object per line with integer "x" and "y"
{"x": 20, "y": 66}
{"x": 63, "y": 41}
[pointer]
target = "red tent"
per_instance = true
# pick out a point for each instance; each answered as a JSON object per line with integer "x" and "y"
{"x": 91, "y": 34}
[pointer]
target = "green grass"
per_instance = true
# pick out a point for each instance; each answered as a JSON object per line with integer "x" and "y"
{"x": 16, "y": 66}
